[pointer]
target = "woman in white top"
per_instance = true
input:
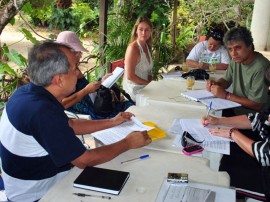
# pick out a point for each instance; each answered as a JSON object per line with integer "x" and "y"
{"x": 210, "y": 51}
{"x": 138, "y": 60}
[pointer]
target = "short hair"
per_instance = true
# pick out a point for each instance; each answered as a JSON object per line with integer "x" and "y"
{"x": 239, "y": 34}
{"x": 45, "y": 61}
{"x": 134, "y": 34}
{"x": 216, "y": 34}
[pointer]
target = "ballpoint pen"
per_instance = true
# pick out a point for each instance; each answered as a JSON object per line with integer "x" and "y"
{"x": 141, "y": 157}
{"x": 90, "y": 195}
{"x": 209, "y": 109}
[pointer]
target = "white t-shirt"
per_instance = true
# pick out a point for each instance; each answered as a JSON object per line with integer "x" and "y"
{"x": 201, "y": 53}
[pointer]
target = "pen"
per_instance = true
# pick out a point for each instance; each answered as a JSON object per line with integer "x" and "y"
{"x": 97, "y": 196}
{"x": 141, "y": 157}
{"x": 209, "y": 109}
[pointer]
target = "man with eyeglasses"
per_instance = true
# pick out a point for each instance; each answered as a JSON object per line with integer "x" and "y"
{"x": 38, "y": 143}
{"x": 210, "y": 51}
{"x": 245, "y": 73}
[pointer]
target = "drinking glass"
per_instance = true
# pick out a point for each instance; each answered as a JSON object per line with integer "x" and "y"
{"x": 190, "y": 81}
{"x": 185, "y": 67}
{"x": 212, "y": 68}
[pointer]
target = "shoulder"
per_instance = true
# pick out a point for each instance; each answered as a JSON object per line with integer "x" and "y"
{"x": 261, "y": 59}
{"x": 133, "y": 49}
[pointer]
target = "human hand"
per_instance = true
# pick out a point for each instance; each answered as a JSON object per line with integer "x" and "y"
{"x": 209, "y": 83}
{"x": 137, "y": 139}
{"x": 202, "y": 65}
{"x": 221, "y": 132}
{"x": 209, "y": 120}
{"x": 92, "y": 87}
{"x": 122, "y": 117}
{"x": 105, "y": 77}
{"x": 218, "y": 91}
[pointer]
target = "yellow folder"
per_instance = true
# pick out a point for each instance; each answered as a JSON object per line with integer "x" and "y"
{"x": 155, "y": 133}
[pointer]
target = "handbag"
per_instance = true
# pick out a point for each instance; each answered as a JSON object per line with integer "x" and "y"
{"x": 106, "y": 99}
{"x": 103, "y": 102}
{"x": 199, "y": 74}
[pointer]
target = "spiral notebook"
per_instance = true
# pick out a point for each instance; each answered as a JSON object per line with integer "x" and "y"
{"x": 102, "y": 180}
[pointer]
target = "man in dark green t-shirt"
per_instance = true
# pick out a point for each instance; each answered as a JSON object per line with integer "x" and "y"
{"x": 245, "y": 73}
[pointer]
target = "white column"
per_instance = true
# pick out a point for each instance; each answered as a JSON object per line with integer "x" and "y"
{"x": 260, "y": 24}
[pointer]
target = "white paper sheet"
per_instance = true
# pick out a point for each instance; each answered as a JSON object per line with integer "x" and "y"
{"x": 117, "y": 133}
{"x": 116, "y": 74}
{"x": 200, "y": 133}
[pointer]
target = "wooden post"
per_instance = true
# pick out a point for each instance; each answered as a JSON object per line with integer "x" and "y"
{"x": 103, "y": 16}
{"x": 173, "y": 33}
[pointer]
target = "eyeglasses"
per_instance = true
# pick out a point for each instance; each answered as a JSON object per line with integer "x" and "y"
{"x": 216, "y": 34}
{"x": 187, "y": 140}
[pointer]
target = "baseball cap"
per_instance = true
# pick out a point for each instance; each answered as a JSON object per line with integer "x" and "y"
{"x": 70, "y": 39}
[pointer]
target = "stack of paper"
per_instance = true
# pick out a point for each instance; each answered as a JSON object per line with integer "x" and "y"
{"x": 194, "y": 192}
{"x": 117, "y": 133}
{"x": 200, "y": 133}
{"x": 197, "y": 95}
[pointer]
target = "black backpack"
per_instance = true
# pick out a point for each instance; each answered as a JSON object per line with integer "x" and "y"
{"x": 199, "y": 74}
{"x": 104, "y": 102}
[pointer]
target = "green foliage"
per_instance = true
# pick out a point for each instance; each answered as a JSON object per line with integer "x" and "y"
{"x": 78, "y": 18}
{"x": 11, "y": 77}
{"x": 29, "y": 36}
{"x": 195, "y": 17}
{"x": 39, "y": 11}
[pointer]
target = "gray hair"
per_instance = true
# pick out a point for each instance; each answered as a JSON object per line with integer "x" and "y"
{"x": 239, "y": 34}
{"x": 45, "y": 61}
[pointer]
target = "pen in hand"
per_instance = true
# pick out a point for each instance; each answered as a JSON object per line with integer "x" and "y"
{"x": 209, "y": 109}
{"x": 141, "y": 157}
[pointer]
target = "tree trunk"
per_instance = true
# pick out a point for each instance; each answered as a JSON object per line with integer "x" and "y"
{"x": 7, "y": 12}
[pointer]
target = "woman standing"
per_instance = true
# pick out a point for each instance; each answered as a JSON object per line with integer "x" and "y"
{"x": 138, "y": 60}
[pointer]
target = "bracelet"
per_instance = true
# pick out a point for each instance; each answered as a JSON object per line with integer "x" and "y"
{"x": 231, "y": 131}
{"x": 227, "y": 95}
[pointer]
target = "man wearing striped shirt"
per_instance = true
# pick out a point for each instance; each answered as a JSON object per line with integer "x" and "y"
{"x": 38, "y": 142}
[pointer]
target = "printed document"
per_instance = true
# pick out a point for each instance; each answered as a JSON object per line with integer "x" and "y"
{"x": 195, "y": 192}
{"x": 117, "y": 133}
{"x": 199, "y": 133}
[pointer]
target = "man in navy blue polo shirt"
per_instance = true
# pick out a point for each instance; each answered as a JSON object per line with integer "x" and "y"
{"x": 38, "y": 141}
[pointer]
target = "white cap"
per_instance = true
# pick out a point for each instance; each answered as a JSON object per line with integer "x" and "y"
{"x": 70, "y": 39}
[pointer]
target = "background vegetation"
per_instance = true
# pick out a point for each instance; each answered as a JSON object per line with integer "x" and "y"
{"x": 82, "y": 16}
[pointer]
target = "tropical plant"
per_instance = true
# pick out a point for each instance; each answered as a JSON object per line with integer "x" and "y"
{"x": 12, "y": 77}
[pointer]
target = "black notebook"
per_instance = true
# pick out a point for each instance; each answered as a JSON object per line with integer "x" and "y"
{"x": 102, "y": 180}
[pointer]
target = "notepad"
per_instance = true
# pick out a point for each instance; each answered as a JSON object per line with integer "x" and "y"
{"x": 116, "y": 74}
{"x": 102, "y": 180}
{"x": 205, "y": 97}
{"x": 220, "y": 104}
{"x": 197, "y": 95}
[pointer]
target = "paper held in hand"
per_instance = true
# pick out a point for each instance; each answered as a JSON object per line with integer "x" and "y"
{"x": 117, "y": 133}
{"x": 116, "y": 74}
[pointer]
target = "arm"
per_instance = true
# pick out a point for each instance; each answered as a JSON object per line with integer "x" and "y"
{"x": 132, "y": 58}
{"x": 78, "y": 96}
{"x": 243, "y": 141}
{"x": 222, "y": 66}
{"x": 201, "y": 65}
{"x": 90, "y": 126}
{"x": 240, "y": 122}
{"x": 108, "y": 152}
